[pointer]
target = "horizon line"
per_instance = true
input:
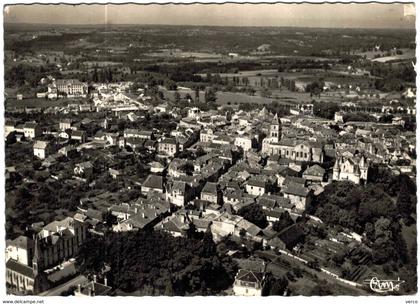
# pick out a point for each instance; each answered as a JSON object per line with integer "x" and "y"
{"x": 206, "y": 25}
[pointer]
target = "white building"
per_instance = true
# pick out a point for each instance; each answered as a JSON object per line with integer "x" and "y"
{"x": 248, "y": 283}
{"x": 353, "y": 169}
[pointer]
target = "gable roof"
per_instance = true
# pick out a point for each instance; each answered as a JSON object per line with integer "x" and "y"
{"x": 315, "y": 170}
{"x": 154, "y": 182}
{"x": 291, "y": 235}
{"x": 210, "y": 187}
{"x": 20, "y": 268}
{"x": 295, "y": 189}
{"x": 249, "y": 276}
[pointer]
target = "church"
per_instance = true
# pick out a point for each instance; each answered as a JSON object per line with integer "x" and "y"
{"x": 351, "y": 167}
{"x": 292, "y": 149}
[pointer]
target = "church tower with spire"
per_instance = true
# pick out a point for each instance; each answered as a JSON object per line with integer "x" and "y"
{"x": 275, "y": 129}
{"x": 36, "y": 260}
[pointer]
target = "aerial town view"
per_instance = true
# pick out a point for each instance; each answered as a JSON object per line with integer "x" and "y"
{"x": 179, "y": 150}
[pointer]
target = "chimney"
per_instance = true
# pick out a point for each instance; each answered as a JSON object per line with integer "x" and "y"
{"x": 105, "y": 281}
{"x": 142, "y": 214}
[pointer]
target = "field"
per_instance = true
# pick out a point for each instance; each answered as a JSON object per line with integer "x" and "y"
{"x": 226, "y": 98}
{"x": 39, "y": 103}
{"x": 406, "y": 54}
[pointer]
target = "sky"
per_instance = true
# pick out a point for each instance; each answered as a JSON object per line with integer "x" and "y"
{"x": 357, "y": 15}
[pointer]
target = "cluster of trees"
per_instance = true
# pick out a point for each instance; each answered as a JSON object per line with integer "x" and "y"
{"x": 22, "y": 74}
{"x": 298, "y": 64}
{"x": 392, "y": 77}
{"x": 371, "y": 211}
{"x": 164, "y": 265}
{"x": 359, "y": 116}
{"x": 325, "y": 109}
{"x": 103, "y": 75}
{"x": 274, "y": 286}
{"x": 288, "y": 83}
{"x": 26, "y": 205}
{"x": 315, "y": 87}
{"x": 152, "y": 81}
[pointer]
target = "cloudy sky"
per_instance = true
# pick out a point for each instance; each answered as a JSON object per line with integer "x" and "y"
{"x": 358, "y": 15}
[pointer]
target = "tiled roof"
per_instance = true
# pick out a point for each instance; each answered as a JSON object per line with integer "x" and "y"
{"x": 20, "y": 268}
{"x": 315, "y": 170}
{"x": 153, "y": 181}
{"x": 249, "y": 276}
{"x": 295, "y": 189}
{"x": 210, "y": 187}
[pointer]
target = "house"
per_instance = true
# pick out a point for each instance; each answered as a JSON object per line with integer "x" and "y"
{"x": 245, "y": 142}
{"x": 69, "y": 87}
{"x": 207, "y": 135}
{"x": 9, "y": 127}
{"x": 176, "y": 225}
{"x": 84, "y": 169}
{"x": 156, "y": 167}
{"x": 211, "y": 193}
{"x": 133, "y": 133}
{"x": 314, "y": 173}
{"x": 20, "y": 250}
{"x": 31, "y": 130}
{"x": 162, "y": 108}
{"x": 288, "y": 238}
{"x": 168, "y": 146}
{"x": 20, "y": 277}
{"x": 93, "y": 288}
{"x": 65, "y": 134}
{"x": 179, "y": 193}
{"x": 42, "y": 149}
{"x": 351, "y": 167}
{"x": 339, "y": 117}
{"x": 68, "y": 151}
{"x": 256, "y": 186}
{"x": 58, "y": 241}
{"x": 152, "y": 183}
{"x": 299, "y": 195}
{"x": 79, "y": 135}
{"x": 248, "y": 283}
{"x": 65, "y": 124}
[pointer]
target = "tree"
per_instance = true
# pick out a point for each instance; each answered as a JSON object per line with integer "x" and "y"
{"x": 177, "y": 97}
{"x": 210, "y": 95}
{"x": 274, "y": 286}
{"x": 197, "y": 94}
{"x": 284, "y": 221}
{"x": 321, "y": 289}
{"x": 405, "y": 204}
{"x": 254, "y": 214}
{"x": 110, "y": 219}
{"x": 325, "y": 109}
{"x": 162, "y": 265}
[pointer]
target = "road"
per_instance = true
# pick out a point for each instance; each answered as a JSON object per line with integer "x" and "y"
{"x": 332, "y": 279}
{"x": 56, "y": 291}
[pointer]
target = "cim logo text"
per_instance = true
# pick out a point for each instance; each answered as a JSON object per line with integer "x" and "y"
{"x": 384, "y": 286}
